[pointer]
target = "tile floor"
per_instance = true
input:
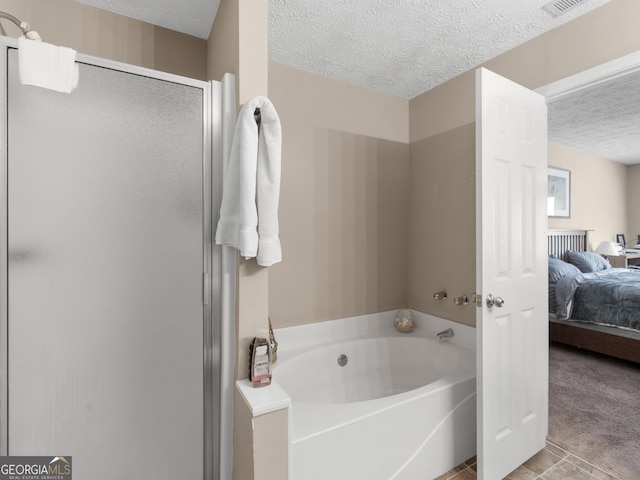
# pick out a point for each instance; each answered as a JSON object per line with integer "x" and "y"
{"x": 552, "y": 463}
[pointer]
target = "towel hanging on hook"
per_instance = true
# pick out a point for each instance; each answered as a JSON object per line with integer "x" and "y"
{"x": 250, "y": 197}
{"x": 41, "y": 64}
{"x": 47, "y": 66}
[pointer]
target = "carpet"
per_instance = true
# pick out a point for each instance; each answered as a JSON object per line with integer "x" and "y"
{"x": 594, "y": 409}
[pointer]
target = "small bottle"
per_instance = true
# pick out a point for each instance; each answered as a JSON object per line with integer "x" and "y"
{"x": 260, "y": 365}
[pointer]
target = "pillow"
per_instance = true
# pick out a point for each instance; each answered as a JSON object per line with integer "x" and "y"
{"x": 557, "y": 270}
{"x": 588, "y": 262}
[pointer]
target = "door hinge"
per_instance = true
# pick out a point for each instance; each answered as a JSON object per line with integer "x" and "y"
{"x": 476, "y": 298}
{"x": 206, "y": 288}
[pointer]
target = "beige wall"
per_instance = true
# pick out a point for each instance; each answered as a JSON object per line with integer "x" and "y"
{"x": 243, "y": 442}
{"x": 260, "y": 444}
{"x": 238, "y": 44}
{"x": 604, "y": 34}
{"x": 598, "y": 194}
{"x": 343, "y": 202}
{"x": 441, "y": 247}
{"x": 633, "y": 204}
{"x": 271, "y": 451}
{"x": 223, "y": 42}
{"x": 97, "y": 32}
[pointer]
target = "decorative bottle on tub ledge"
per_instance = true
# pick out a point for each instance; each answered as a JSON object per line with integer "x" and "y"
{"x": 404, "y": 320}
{"x": 260, "y": 362}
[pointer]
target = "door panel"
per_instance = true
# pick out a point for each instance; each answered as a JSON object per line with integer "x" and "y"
{"x": 106, "y": 255}
{"x": 512, "y": 350}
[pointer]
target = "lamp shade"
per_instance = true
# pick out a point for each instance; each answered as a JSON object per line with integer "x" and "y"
{"x": 608, "y": 248}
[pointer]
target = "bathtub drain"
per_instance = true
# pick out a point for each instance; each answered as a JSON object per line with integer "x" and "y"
{"x": 342, "y": 359}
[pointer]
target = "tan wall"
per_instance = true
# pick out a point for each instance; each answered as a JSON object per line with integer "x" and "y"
{"x": 238, "y": 44}
{"x": 598, "y": 194}
{"x": 253, "y": 80}
{"x": 271, "y": 463}
{"x": 223, "y": 42}
{"x": 260, "y": 444}
{"x": 633, "y": 204}
{"x": 97, "y": 32}
{"x": 343, "y": 202}
{"x": 243, "y": 442}
{"x": 604, "y": 34}
{"x": 442, "y": 221}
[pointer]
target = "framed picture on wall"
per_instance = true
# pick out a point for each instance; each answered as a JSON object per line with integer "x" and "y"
{"x": 558, "y": 192}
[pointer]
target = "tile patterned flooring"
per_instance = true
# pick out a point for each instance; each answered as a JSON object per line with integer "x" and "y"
{"x": 552, "y": 463}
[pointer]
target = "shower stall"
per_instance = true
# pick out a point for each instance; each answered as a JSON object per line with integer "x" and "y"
{"x": 111, "y": 290}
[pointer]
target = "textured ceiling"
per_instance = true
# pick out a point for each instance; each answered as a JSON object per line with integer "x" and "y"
{"x": 403, "y": 47}
{"x": 193, "y": 17}
{"x": 603, "y": 120}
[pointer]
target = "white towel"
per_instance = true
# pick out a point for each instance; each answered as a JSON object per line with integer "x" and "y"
{"x": 47, "y": 66}
{"x": 249, "y": 211}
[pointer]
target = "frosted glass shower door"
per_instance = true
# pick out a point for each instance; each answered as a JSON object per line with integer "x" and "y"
{"x": 107, "y": 245}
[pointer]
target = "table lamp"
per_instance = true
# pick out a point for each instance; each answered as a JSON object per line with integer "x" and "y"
{"x": 608, "y": 248}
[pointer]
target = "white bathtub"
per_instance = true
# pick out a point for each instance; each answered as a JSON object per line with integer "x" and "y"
{"x": 403, "y": 406}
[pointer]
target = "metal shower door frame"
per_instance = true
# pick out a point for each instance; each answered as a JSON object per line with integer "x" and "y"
{"x": 212, "y": 254}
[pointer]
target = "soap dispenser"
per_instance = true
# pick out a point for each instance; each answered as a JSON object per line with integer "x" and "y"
{"x": 260, "y": 364}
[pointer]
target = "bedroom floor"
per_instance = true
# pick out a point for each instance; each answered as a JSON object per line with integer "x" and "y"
{"x": 593, "y": 409}
{"x": 552, "y": 463}
{"x": 592, "y": 404}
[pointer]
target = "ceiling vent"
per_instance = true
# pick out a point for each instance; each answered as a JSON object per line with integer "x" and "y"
{"x": 560, "y": 7}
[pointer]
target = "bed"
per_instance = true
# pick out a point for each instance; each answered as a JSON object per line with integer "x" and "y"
{"x": 622, "y": 343}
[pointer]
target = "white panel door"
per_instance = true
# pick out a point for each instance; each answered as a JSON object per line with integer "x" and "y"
{"x": 512, "y": 349}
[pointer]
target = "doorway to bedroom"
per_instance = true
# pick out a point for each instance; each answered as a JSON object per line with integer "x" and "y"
{"x": 590, "y": 117}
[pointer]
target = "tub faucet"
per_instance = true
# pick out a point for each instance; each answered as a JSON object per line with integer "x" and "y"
{"x": 448, "y": 333}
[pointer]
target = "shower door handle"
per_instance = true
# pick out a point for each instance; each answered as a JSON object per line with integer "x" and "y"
{"x": 494, "y": 301}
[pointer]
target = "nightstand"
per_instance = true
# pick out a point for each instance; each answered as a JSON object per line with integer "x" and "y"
{"x": 623, "y": 261}
{"x": 617, "y": 261}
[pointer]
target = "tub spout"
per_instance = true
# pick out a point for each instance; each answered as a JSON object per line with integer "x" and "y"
{"x": 448, "y": 333}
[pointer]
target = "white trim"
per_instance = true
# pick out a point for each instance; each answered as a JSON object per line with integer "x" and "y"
{"x": 211, "y": 365}
{"x": 263, "y": 400}
{"x": 4, "y": 268}
{"x": 593, "y": 76}
{"x": 123, "y": 67}
{"x": 228, "y": 289}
